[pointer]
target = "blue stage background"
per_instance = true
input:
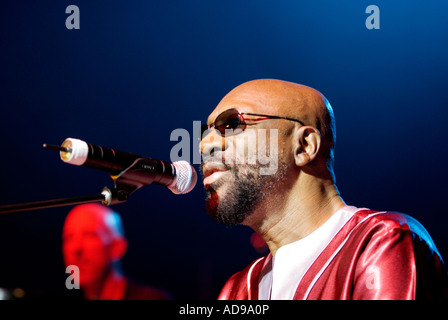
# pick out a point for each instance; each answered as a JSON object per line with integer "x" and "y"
{"x": 137, "y": 70}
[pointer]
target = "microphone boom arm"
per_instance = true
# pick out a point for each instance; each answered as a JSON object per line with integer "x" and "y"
{"x": 106, "y": 193}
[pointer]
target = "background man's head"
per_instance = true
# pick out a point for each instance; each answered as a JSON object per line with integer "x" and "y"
{"x": 235, "y": 188}
{"x": 94, "y": 241}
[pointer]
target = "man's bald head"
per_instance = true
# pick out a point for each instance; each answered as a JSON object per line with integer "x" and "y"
{"x": 285, "y": 99}
{"x": 299, "y": 151}
{"x": 94, "y": 216}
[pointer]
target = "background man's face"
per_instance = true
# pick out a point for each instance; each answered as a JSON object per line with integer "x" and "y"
{"x": 86, "y": 245}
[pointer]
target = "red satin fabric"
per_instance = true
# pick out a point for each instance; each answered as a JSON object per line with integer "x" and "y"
{"x": 374, "y": 256}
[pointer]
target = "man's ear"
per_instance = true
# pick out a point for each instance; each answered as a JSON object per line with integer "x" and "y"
{"x": 307, "y": 144}
{"x": 118, "y": 248}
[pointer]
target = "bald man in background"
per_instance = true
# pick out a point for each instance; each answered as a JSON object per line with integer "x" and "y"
{"x": 94, "y": 241}
{"x": 320, "y": 247}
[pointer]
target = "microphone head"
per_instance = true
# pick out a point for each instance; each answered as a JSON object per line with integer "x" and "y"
{"x": 186, "y": 178}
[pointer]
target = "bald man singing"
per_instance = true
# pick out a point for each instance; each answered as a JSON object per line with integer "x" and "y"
{"x": 268, "y": 163}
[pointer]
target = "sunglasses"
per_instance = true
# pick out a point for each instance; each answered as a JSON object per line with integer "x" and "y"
{"x": 232, "y": 122}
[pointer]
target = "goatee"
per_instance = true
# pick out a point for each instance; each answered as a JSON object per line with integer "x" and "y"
{"x": 243, "y": 190}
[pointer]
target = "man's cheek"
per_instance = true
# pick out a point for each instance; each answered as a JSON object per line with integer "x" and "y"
{"x": 267, "y": 151}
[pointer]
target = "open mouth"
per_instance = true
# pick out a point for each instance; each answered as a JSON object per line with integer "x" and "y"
{"x": 212, "y": 172}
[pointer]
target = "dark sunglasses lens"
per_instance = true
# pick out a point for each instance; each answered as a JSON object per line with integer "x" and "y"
{"x": 229, "y": 123}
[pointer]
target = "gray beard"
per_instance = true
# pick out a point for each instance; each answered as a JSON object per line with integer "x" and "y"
{"x": 247, "y": 190}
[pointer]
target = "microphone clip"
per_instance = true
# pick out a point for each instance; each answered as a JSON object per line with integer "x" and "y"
{"x": 139, "y": 174}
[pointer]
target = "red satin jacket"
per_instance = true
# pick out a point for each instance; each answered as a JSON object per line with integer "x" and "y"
{"x": 375, "y": 255}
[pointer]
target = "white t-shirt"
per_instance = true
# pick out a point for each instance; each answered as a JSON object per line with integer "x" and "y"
{"x": 282, "y": 273}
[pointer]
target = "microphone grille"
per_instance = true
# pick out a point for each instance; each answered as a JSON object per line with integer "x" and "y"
{"x": 186, "y": 178}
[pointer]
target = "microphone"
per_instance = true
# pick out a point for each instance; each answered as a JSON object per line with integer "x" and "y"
{"x": 179, "y": 176}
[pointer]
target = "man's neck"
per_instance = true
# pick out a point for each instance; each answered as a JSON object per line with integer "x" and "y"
{"x": 295, "y": 214}
{"x": 112, "y": 288}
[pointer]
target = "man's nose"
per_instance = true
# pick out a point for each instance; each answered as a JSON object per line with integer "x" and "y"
{"x": 78, "y": 250}
{"x": 210, "y": 144}
{"x": 76, "y": 247}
